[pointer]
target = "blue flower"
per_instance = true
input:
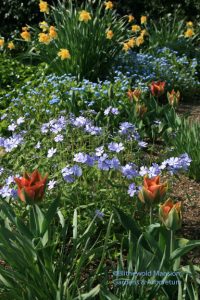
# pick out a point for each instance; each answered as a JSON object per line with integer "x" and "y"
{"x": 116, "y": 147}
{"x": 99, "y": 214}
{"x": 129, "y": 171}
{"x": 132, "y": 190}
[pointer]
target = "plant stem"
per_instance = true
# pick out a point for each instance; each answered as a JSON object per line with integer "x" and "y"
{"x": 171, "y": 241}
{"x": 151, "y": 215}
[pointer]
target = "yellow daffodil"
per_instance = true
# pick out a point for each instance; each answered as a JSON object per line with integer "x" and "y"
{"x": 52, "y": 32}
{"x": 144, "y": 32}
{"x": 189, "y": 33}
{"x": 44, "y": 38}
{"x": 84, "y": 16}
{"x": 43, "y": 5}
{"x": 11, "y": 46}
{"x": 189, "y": 24}
{"x": 108, "y": 5}
{"x": 2, "y": 42}
{"x": 25, "y": 28}
{"x": 109, "y": 34}
{"x": 143, "y": 19}
{"x": 64, "y": 54}
{"x": 125, "y": 47}
{"x": 130, "y": 18}
{"x": 139, "y": 40}
{"x": 44, "y": 26}
{"x": 136, "y": 28}
{"x": 26, "y": 35}
{"x": 131, "y": 42}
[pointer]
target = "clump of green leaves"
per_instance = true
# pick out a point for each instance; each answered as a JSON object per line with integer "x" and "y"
{"x": 92, "y": 53}
{"x": 45, "y": 256}
{"x": 187, "y": 140}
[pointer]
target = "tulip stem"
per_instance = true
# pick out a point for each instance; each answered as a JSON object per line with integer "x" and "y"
{"x": 171, "y": 242}
{"x": 151, "y": 215}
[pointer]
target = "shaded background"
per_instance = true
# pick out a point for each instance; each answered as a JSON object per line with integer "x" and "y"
{"x": 16, "y": 13}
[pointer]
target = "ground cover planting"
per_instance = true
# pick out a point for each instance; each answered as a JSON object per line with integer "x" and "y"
{"x": 99, "y": 170}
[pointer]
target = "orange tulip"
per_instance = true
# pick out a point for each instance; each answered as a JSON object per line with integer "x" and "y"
{"x": 31, "y": 187}
{"x": 173, "y": 97}
{"x": 140, "y": 109}
{"x": 157, "y": 88}
{"x": 152, "y": 191}
{"x": 134, "y": 94}
{"x": 170, "y": 214}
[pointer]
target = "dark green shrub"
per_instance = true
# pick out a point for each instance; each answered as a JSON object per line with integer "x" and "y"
{"x": 16, "y": 13}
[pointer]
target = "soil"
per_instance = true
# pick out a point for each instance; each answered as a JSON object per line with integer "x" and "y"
{"x": 188, "y": 191}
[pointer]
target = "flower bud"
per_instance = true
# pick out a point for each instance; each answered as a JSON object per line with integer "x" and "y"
{"x": 152, "y": 191}
{"x": 170, "y": 214}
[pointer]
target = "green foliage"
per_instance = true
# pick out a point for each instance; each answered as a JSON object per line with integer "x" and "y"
{"x": 169, "y": 31}
{"x": 13, "y": 14}
{"x": 92, "y": 54}
{"x": 45, "y": 256}
{"x": 13, "y": 74}
{"x": 187, "y": 140}
{"x": 156, "y": 251}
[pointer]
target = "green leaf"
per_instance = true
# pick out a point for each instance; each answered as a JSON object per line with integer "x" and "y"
{"x": 75, "y": 224}
{"x": 130, "y": 224}
{"x": 91, "y": 294}
{"x": 50, "y": 215}
{"x": 184, "y": 249}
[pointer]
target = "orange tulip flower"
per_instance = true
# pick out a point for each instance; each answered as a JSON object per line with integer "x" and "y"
{"x": 152, "y": 191}
{"x": 31, "y": 187}
{"x": 157, "y": 88}
{"x": 170, "y": 214}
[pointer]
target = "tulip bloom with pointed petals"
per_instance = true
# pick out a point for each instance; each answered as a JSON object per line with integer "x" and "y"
{"x": 170, "y": 214}
{"x": 135, "y": 94}
{"x": 173, "y": 97}
{"x": 157, "y": 88}
{"x": 31, "y": 187}
{"x": 152, "y": 191}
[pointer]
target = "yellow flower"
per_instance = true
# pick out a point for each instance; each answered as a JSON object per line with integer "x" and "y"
{"x": 44, "y": 7}
{"x": 189, "y": 32}
{"x": 108, "y": 4}
{"x": 130, "y": 18}
{"x": 26, "y": 35}
{"x": 136, "y": 28}
{"x": 44, "y": 26}
{"x": 84, "y": 16}
{"x": 25, "y": 28}
{"x": 189, "y": 24}
{"x": 131, "y": 42}
{"x": 11, "y": 46}
{"x": 64, "y": 54}
{"x": 2, "y": 42}
{"x": 139, "y": 40}
{"x": 144, "y": 32}
{"x": 44, "y": 38}
{"x": 52, "y": 32}
{"x": 143, "y": 19}
{"x": 109, "y": 34}
{"x": 125, "y": 47}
